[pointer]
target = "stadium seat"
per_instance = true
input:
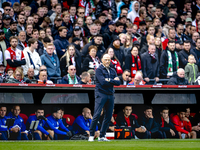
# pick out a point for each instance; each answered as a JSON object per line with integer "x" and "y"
{"x": 32, "y": 114}
{"x": 192, "y": 114}
{"x": 115, "y": 116}
{"x": 69, "y": 118}
{"x": 24, "y": 117}
{"x": 136, "y": 117}
{"x": 47, "y": 115}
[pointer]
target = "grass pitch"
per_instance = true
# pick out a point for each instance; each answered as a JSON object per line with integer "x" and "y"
{"x": 112, "y": 145}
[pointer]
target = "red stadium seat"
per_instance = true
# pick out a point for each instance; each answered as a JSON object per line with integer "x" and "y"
{"x": 115, "y": 116}
{"x": 24, "y": 117}
{"x": 136, "y": 117}
{"x": 47, "y": 115}
{"x": 69, "y": 118}
{"x": 32, "y": 114}
{"x": 192, "y": 114}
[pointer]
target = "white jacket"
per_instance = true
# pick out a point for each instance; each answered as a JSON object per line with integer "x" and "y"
{"x": 36, "y": 61}
{"x": 133, "y": 14}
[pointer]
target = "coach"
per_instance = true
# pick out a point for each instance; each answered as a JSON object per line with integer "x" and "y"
{"x": 106, "y": 78}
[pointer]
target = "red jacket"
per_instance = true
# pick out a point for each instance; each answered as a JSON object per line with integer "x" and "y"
{"x": 181, "y": 126}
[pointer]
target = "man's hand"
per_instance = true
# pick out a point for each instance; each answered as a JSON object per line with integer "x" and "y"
{"x": 189, "y": 135}
{"x": 88, "y": 132}
{"x": 140, "y": 129}
{"x": 157, "y": 79}
{"x": 42, "y": 118}
{"x": 186, "y": 119}
{"x": 116, "y": 78}
{"x": 112, "y": 128}
{"x": 63, "y": 50}
{"x": 107, "y": 79}
{"x": 146, "y": 79}
{"x": 172, "y": 132}
{"x": 14, "y": 130}
{"x": 112, "y": 119}
{"x": 196, "y": 128}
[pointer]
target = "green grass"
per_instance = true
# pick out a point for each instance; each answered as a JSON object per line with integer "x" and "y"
{"x": 112, "y": 145}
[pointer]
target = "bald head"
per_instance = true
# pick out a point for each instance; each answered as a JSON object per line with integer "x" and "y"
{"x": 138, "y": 78}
{"x": 86, "y": 112}
{"x": 106, "y": 60}
{"x": 181, "y": 73}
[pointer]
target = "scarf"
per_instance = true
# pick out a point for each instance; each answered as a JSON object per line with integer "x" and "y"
{"x": 85, "y": 5}
{"x": 71, "y": 81}
{"x": 170, "y": 64}
{"x": 95, "y": 64}
{"x": 134, "y": 65}
{"x": 153, "y": 57}
{"x": 117, "y": 66}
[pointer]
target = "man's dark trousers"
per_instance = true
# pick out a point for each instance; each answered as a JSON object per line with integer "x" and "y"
{"x": 102, "y": 101}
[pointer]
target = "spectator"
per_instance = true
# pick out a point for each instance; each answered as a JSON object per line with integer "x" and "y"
{"x": 142, "y": 16}
{"x": 71, "y": 57}
{"x": 197, "y": 49}
{"x": 149, "y": 122}
{"x": 66, "y": 21}
{"x": 160, "y": 15}
{"x": 58, "y": 10}
{"x": 30, "y": 74}
{"x": 4, "y": 44}
{"x": 77, "y": 43}
{"x": 12, "y": 31}
{"x": 183, "y": 125}
{"x": 138, "y": 79}
{"x": 169, "y": 61}
{"x": 150, "y": 65}
{"x": 183, "y": 55}
{"x": 51, "y": 61}
{"x": 128, "y": 44}
{"x": 195, "y": 36}
{"x": 125, "y": 78}
{"x": 166, "y": 125}
{"x": 85, "y": 78}
{"x": 118, "y": 29}
{"x": 71, "y": 77}
{"x": 171, "y": 36}
{"x": 87, "y": 26}
{"x": 135, "y": 11}
{"x": 179, "y": 34}
{"x": 13, "y": 56}
{"x": 178, "y": 78}
{"x": 56, "y": 121}
{"x": 107, "y": 35}
{"x": 45, "y": 23}
{"x": 32, "y": 57}
{"x": 6, "y": 23}
{"x": 133, "y": 61}
{"x": 21, "y": 23}
{"x": 40, "y": 133}
{"x": 29, "y": 30}
{"x": 18, "y": 128}
{"x": 3, "y": 127}
{"x": 18, "y": 77}
{"x": 93, "y": 32}
{"x": 82, "y": 123}
{"x": 97, "y": 41}
{"x": 127, "y": 119}
{"x": 170, "y": 24}
{"x": 53, "y": 4}
{"x": 43, "y": 77}
{"x": 56, "y": 26}
{"x": 22, "y": 43}
{"x": 91, "y": 61}
{"x": 61, "y": 42}
{"x": 72, "y": 11}
{"x": 191, "y": 69}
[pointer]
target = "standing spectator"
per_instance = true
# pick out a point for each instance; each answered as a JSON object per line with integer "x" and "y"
{"x": 53, "y": 4}
{"x": 85, "y": 78}
{"x": 21, "y": 23}
{"x": 97, "y": 41}
{"x": 166, "y": 124}
{"x": 160, "y": 15}
{"x": 56, "y": 26}
{"x": 12, "y": 31}
{"x": 32, "y": 57}
{"x": 149, "y": 122}
{"x": 191, "y": 69}
{"x": 107, "y": 35}
{"x": 195, "y": 36}
{"x": 183, "y": 55}
{"x": 22, "y": 43}
{"x": 91, "y": 61}
{"x": 71, "y": 57}
{"x": 86, "y": 27}
{"x": 178, "y": 78}
{"x": 29, "y": 30}
{"x": 45, "y": 23}
{"x": 6, "y": 23}
{"x": 51, "y": 61}
{"x": 150, "y": 40}
{"x": 125, "y": 78}
{"x": 58, "y": 10}
{"x": 128, "y": 120}
{"x": 66, "y": 21}
{"x": 171, "y": 36}
{"x": 14, "y": 56}
{"x": 197, "y": 49}
{"x": 61, "y": 42}
{"x": 133, "y": 61}
{"x": 183, "y": 125}
{"x": 115, "y": 64}
{"x": 169, "y": 61}
{"x": 71, "y": 77}
{"x": 142, "y": 16}
{"x": 128, "y": 44}
{"x": 170, "y": 24}
{"x": 72, "y": 11}
{"x": 150, "y": 64}
{"x": 135, "y": 11}
{"x": 4, "y": 44}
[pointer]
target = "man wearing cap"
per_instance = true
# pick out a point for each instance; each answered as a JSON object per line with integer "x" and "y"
{"x": 142, "y": 28}
{"x": 57, "y": 24}
{"x": 76, "y": 42}
{"x": 6, "y": 23}
{"x": 107, "y": 36}
{"x": 12, "y": 31}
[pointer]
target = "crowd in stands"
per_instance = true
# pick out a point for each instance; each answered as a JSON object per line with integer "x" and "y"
{"x": 53, "y": 41}
{"x": 54, "y": 126}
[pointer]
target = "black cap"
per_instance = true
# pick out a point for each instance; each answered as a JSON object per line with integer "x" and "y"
{"x": 173, "y": 6}
{"x": 2, "y": 65}
{"x": 1, "y": 31}
{"x": 75, "y": 39}
{"x": 111, "y": 23}
{"x": 13, "y": 22}
{"x": 142, "y": 23}
{"x": 116, "y": 38}
{"x": 77, "y": 28}
{"x": 122, "y": 17}
{"x": 5, "y": 17}
{"x": 183, "y": 13}
{"x": 136, "y": 43}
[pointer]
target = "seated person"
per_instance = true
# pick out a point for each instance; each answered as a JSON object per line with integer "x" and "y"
{"x": 30, "y": 74}
{"x": 138, "y": 79}
{"x": 183, "y": 125}
{"x": 85, "y": 78}
{"x": 196, "y": 122}
{"x": 40, "y": 133}
{"x": 43, "y": 78}
{"x": 57, "y": 123}
{"x": 166, "y": 124}
{"x": 128, "y": 120}
{"x": 64, "y": 119}
{"x": 17, "y": 131}
{"x": 71, "y": 77}
{"x": 125, "y": 78}
{"x": 150, "y": 123}
{"x": 18, "y": 77}
{"x": 82, "y": 123}
{"x": 3, "y": 127}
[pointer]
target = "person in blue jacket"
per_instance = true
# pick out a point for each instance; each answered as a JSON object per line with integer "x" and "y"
{"x": 40, "y": 132}
{"x": 3, "y": 127}
{"x": 18, "y": 130}
{"x": 82, "y": 123}
{"x": 57, "y": 123}
{"x": 106, "y": 78}
{"x": 149, "y": 122}
{"x": 166, "y": 125}
{"x": 51, "y": 61}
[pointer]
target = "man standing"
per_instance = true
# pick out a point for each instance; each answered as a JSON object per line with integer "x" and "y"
{"x": 106, "y": 78}
{"x": 12, "y": 31}
{"x": 3, "y": 127}
{"x": 22, "y": 43}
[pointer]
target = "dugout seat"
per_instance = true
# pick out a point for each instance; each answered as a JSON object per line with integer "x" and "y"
{"x": 69, "y": 119}
{"x": 115, "y": 116}
{"x": 192, "y": 114}
{"x": 136, "y": 117}
{"x": 47, "y": 115}
{"x": 24, "y": 117}
{"x": 32, "y": 114}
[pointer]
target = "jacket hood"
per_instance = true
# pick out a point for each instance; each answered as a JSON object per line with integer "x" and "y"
{"x": 133, "y": 7}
